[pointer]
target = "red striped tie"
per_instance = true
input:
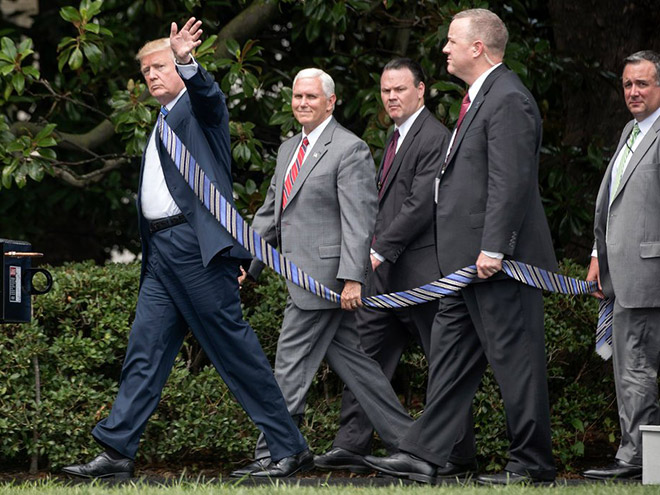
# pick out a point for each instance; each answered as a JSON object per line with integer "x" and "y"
{"x": 293, "y": 173}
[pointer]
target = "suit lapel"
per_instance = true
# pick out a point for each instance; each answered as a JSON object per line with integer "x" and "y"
{"x": 175, "y": 118}
{"x": 313, "y": 157}
{"x": 403, "y": 149}
{"x": 474, "y": 108}
{"x": 638, "y": 154}
{"x": 284, "y": 158}
{"x": 603, "y": 198}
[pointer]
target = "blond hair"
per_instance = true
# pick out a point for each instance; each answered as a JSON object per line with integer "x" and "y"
{"x": 153, "y": 46}
{"x": 487, "y": 27}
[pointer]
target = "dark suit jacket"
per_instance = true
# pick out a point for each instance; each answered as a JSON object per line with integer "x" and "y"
{"x": 404, "y": 225}
{"x": 201, "y": 121}
{"x": 488, "y": 196}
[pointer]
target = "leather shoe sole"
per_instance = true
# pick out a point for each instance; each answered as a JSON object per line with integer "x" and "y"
{"x": 339, "y": 459}
{"x": 509, "y": 478}
{"x": 452, "y": 470}
{"x": 618, "y": 470}
{"x": 304, "y": 461}
{"x": 253, "y": 467}
{"x": 403, "y": 465}
{"x": 103, "y": 467}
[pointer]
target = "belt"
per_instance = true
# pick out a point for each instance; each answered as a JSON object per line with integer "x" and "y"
{"x": 166, "y": 223}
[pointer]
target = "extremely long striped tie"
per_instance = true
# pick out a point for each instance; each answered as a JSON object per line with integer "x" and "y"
{"x": 226, "y": 214}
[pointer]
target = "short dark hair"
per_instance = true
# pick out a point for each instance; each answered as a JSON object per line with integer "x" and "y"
{"x": 648, "y": 55}
{"x": 411, "y": 65}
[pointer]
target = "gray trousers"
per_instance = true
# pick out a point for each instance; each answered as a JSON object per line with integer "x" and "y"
{"x": 636, "y": 359}
{"x": 307, "y": 338}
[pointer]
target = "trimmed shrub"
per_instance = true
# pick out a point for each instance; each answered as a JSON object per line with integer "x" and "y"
{"x": 59, "y": 376}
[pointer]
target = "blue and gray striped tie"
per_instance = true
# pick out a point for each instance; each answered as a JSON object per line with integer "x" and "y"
{"x": 229, "y": 218}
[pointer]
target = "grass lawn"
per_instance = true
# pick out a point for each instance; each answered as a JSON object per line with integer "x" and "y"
{"x": 192, "y": 488}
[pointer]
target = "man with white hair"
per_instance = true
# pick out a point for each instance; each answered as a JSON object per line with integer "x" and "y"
{"x": 320, "y": 210}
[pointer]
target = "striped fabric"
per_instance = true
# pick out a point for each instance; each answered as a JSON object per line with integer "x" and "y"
{"x": 229, "y": 218}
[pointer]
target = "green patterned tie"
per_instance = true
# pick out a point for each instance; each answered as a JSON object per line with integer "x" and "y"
{"x": 621, "y": 163}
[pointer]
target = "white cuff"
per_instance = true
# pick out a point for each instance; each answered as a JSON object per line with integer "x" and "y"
{"x": 187, "y": 70}
{"x": 492, "y": 254}
{"x": 377, "y": 256}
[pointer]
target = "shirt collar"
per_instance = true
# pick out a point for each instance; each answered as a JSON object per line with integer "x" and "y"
{"x": 171, "y": 104}
{"x": 313, "y": 136}
{"x": 476, "y": 85}
{"x": 405, "y": 127}
{"x": 646, "y": 124}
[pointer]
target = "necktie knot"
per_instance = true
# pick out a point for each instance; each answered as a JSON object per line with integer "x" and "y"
{"x": 387, "y": 161}
{"x": 465, "y": 104}
{"x": 622, "y": 161}
{"x": 164, "y": 111}
{"x": 293, "y": 172}
{"x": 635, "y": 132}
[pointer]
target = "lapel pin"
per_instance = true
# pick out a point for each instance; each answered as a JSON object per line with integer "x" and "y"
{"x": 315, "y": 155}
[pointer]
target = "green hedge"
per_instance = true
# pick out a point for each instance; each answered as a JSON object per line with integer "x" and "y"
{"x": 58, "y": 377}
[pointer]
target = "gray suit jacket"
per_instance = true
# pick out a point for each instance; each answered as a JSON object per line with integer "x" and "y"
{"x": 327, "y": 225}
{"x": 629, "y": 247}
{"x": 488, "y": 196}
{"x": 404, "y": 225}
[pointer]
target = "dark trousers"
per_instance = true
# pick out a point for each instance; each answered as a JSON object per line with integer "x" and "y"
{"x": 178, "y": 292}
{"x": 384, "y": 335}
{"x": 498, "y": 323}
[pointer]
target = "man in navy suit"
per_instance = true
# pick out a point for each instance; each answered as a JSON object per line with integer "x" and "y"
{"x": 189, "y": 275}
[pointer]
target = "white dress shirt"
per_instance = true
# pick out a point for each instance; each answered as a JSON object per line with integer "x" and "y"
{"x": 155, "y": 198}
{"x": 312, "y": 137}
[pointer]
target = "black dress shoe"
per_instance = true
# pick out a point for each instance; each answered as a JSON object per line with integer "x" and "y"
{"x": 253, "y": 467}
{"x": 341, "y": 459}
{"x": 451, "y": 470}
{"x": 509, "y": 478}
{"x": 618, "y": 469}
{"x": 403, "y": 465}
{"x": 103, "y": 466}
{"x": 304, "y": 461}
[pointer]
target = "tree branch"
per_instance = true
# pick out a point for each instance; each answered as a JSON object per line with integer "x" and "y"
{"x": 70, "y": 177}
{"x": 247, "y": 24}
{"x": 87, "y": 141}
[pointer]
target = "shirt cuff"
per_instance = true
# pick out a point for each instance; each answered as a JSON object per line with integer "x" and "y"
{"x": 187, "y": 70}
{"x": 594, "y": 253}
{"x": 492, "y": 254}
{"x": 377, "y": 256}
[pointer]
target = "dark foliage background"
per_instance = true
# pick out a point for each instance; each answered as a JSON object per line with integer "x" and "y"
{"x": 74, "y": 119}
{"x": 75, "y": 115}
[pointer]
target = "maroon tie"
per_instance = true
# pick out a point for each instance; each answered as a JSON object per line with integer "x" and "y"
{"x": 293, "y": 173}
{"x": 387, "y": 162}
{"x": 465, "y": 104}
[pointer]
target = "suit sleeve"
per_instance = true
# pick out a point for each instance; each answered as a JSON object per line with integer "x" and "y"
{"x": 513, "y": 139}
{"x": 416, "y": 214}
{"x": 264, "y": 224}
{"x": 206, "y": 99}
{"x": 358, "y": 200}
